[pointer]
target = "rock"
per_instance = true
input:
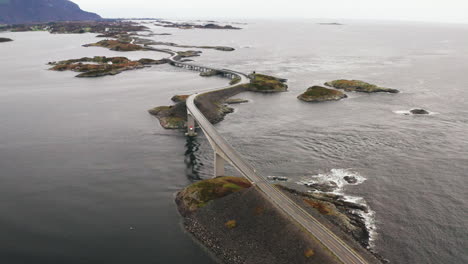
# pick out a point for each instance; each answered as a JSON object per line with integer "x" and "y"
{"x": 101, "y": 66}
{"x": 180, "y": 98}
{"x": 189, "y": 53}
{"x": 116, "y": 45}
{"x": 323, "y": 187}
{"x": 350, "y": 179}
{"x": 171, "y": 117}
{"x": 236, "y": 101}
{"x": 152, "y": 62}
{"x": 200, "y": 193}
{"x": 321, "y": 94}
{"x": 5, "y": 40}
{"x": 210, "y": 73}
{"x": 277, "y": 178}
{"x": 359, "y": 86}
{"x": 419, "y": 112}
{"x": 266, "y": 84}
{"x": 330, "y": 24}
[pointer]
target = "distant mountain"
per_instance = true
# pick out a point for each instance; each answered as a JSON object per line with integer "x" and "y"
{"x": 25, "y": 11}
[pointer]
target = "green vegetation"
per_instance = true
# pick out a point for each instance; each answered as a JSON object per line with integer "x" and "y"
{"x": 358, "y": 86}
{"x": 171, "y": 117}
{"x": 4, "y": 2}
{"x": 265, "y": 84}
{"x": 235, "y": 80}
{"x": 201, "y": 193}
{"x": 321, "y": 94}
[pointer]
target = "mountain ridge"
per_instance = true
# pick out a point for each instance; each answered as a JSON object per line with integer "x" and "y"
{"x": 29, "y": 11}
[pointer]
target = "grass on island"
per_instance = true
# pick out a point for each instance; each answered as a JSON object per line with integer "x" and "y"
{"x": 318, "y": 91}
{"x": 358, "y": 86}
{"x": 201, "y": 193}
{"x": 265, "y": 83}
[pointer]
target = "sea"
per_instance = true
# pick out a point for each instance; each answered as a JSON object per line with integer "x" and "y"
{"x": 88, "y": 176}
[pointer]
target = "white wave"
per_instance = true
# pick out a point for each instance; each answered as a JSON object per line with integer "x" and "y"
{"x": 337, "y": 176}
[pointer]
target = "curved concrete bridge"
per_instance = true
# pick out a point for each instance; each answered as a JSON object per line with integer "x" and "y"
{"x": 223, "y": 152}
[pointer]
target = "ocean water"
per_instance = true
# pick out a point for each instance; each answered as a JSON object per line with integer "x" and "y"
{"x": 87, "y": 176}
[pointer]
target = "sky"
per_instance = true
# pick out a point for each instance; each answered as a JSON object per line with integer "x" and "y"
{"x": 453, "y": 11}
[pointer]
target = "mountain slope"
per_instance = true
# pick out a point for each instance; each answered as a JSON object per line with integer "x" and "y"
{"x": 24, "y": 11}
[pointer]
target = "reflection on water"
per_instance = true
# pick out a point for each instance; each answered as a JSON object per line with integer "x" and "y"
{"x": 192, "y": 162}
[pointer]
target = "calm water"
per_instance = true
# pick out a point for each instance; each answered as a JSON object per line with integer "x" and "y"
{"x": 87, "y": 176}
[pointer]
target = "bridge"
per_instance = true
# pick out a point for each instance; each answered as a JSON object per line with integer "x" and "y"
{"x": 225, "y": 153}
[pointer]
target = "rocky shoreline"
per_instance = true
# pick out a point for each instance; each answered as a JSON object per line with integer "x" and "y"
{"x": 242, "y": 226}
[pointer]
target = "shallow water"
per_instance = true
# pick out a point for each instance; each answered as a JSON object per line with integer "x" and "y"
{"x": 86, "y": 172}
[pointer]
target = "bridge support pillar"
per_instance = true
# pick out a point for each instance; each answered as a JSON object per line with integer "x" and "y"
{"x": 218, "y": 165}
{"x": 190, "y": 126}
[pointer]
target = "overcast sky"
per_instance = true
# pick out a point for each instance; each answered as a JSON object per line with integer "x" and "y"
{"x": 417, "y": 10}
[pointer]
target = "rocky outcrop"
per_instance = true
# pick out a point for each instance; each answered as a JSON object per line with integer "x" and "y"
{"x": 358, "y": 86}
{"x": 210, "y": 73}
{"x": 189, "y": 53}
{"x": 236, "y": 101}
{"x": 201, "y": 193}
{"x": 265, "y": 84}
{"x": 163, "y": 23}
{"x": 179, "y": 98}
{"x": 239, "y": 225}
{"x": 116, "y": 45}
{"x": 419, "y": 112}
{"x": 321, "y": 94}
{"x": 5, "y": 40}
{"x": 171, "y": 117}
{"x": 27, "y": 11}
{"x": 101, "y": 66}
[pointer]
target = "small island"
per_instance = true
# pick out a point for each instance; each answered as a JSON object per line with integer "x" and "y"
{"x": 419, "y": 112}
{"x": 214, "y": 104}
{"x": 321, "y": 94}
{"x": 116, "y": 45}
{"x": 101, "y": 66}
{"x": 239, "y": 225}
{"x": 358, "y": 86}
{"x": 169, "y": 24}
{"x": 266, "y": 84}
{"x": 5, "y": 40}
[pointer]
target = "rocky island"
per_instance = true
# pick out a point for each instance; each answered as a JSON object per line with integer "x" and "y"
{"x": 5, "y": 40}
{"x": 321, "y": 94}
{"x": 358, "y": 86}
{"x": 102, "y": 66}
{"x": 419, "y": 112}
{"x": 214, "y": 104}
{"x": 170, "y": 24}
{"x": 116, "y": 45}
{"x": 239, "y": 225}
{"x": 266, "y": 84}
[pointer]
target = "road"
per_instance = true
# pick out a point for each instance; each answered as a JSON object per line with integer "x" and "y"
{"x": 297, "y": 214}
